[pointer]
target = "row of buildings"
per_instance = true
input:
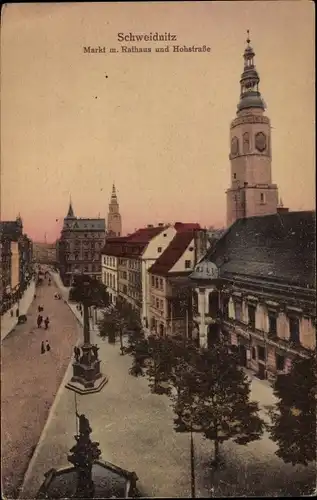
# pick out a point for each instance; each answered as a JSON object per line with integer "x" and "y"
{"x": 16, "y": 262}
{"x": 253, "y": 283}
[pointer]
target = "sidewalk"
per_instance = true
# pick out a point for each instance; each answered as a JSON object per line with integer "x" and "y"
{"x": 8, "y": 323}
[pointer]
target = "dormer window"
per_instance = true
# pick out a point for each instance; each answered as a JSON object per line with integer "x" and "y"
{"x": 159, "y": 249}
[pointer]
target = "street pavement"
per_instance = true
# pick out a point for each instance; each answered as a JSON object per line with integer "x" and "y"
{"x": 8, "y": 322}
{"x": 30, "y": 381}
{"x": 135, "y": 430}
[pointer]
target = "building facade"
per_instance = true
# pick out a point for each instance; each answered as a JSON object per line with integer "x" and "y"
{"x": 15, "y": 266}
{"x": 169, "y": 286}
{"x": 257, "y": 289}
{"x": 16, "y": 262}
{"x": 111, "y": 256}
{"x": 157, "y": 245}
{"x": 252, "y": 191}
{"x": 79, "y": 247}
{"x": 114, "y": 222}
{"x": 128, "y": 251}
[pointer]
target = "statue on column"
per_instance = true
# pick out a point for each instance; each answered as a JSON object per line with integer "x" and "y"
{"x": 83, "y": 455}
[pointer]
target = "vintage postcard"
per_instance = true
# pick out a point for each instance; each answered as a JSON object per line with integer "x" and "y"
{"x": 157, "y": 249}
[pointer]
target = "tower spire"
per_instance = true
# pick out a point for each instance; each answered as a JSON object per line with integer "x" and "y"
{"x": 113, "y": 194}
{"x": 70, "y": 212}
{"x": 248, "y": 37}
{"x": 250, "y": 96}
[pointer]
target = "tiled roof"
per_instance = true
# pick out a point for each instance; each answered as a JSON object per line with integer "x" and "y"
{"x": 173, "y": 252}
{"x": 84, "y": 224}
{"x": 144, "y": 235}
{"x": 131, "y": 245}
{"x": 185, "y": 226}
{"x": 278, "y": 247}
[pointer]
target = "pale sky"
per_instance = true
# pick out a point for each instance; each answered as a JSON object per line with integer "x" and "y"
{"x": 158, "y": 126}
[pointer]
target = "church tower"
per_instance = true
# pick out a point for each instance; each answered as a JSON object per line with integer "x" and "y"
{"x": 114, "y": 227}
{"x": 251, "y": 191}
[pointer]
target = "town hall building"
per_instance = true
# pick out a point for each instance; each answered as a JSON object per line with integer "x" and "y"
{"x": 256, "y": 286}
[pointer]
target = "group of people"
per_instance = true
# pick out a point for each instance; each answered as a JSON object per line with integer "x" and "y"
{"x": 46, "y": 347}
{"x": 40, "y": 319}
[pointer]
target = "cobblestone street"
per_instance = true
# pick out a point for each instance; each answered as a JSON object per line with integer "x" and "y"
{"x": 30, "y": 381}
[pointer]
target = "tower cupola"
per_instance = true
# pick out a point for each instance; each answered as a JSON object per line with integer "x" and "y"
{"x": 250, "y": 96}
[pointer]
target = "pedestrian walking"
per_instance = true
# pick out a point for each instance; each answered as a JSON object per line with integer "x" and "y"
{"x": 48, "y": 347}
{"x": 47, "y": 322}
{"x": 42, "y": 348}
{"x": 39, "y": 321}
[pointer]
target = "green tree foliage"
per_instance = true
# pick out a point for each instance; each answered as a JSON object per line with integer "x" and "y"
{"x": 158, "y": 364}
{"x": 119, "y": 320}
{"x": 214, "y": 399}
{"x": 88, "y": 291}
{"x": 294, "y": 417}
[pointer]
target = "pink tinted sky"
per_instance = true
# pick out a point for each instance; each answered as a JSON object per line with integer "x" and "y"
{"x": 159, "y": 124}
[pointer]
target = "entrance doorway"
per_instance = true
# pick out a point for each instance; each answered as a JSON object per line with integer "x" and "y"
{"x": 242, "y": 355}
{"x": 213, "y": 334}
{"x": 261, "y": 371}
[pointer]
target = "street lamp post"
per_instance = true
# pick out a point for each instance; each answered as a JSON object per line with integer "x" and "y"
{"x": 192, "y": 463}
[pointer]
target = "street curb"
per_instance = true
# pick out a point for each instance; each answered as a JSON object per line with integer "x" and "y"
{"x": 43, "y": 434}
{"x": 28, "y": 472}
{"x": 28, "y": 307}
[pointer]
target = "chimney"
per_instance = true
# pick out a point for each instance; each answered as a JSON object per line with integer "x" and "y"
{"x": 150, "y": 225}
{"x": 160, "y": 224}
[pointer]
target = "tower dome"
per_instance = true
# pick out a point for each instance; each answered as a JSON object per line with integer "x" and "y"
{"x": 250, "y": 96}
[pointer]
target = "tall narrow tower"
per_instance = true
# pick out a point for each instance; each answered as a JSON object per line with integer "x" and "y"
{"x": 114, "y": 226}
{"x": 251, "y": 191}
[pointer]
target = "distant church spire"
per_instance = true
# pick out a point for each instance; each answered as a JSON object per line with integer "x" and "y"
{"x": 113, "y": 194}
{"x": 70, "y": 213}
{"x": 250, "y": 96}
{"x": 114, "y": 218}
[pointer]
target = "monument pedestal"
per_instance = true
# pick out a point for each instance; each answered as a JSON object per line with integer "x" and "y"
{"x": 87, "y": 377}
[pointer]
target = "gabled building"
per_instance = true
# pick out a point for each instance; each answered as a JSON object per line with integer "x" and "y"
{"x": 80, "y": 245}
{"x": 169, "y": 292}
{"x": 122, "y": 264}
{"x": 257, "y": 288}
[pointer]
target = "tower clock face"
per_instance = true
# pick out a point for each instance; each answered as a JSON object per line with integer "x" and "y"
{"x": 260, "y": 141}
{"x": 235, "y": 146}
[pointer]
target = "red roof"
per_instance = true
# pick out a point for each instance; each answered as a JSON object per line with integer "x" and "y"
{"x": 181, "y": 226}
{"x": 145, "y": 234}
{"x": 174, "y": 251}
{"x": 132, "y": 245}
